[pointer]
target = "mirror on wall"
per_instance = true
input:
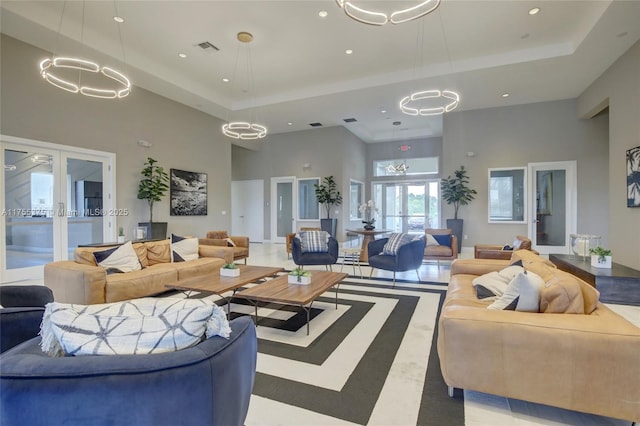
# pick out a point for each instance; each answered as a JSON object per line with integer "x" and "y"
{"x": 356, "y": 198}
{"x": 507, "y": 198}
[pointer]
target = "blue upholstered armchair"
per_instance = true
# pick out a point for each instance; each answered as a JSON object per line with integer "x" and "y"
{"x": 314, "y": 258}
{"x": 409, "y": 256}
{"x": 207, "y": 384}
{"x": 21, "y": 315}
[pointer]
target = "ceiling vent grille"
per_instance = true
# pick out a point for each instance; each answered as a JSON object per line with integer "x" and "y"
{"x": 315, "y": 124}
{"x": 350, "y": 120}
{"x": 208, "y": 46}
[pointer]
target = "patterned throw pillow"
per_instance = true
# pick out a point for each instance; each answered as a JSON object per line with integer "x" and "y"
{"x": 118, "y": 259}
{"x": 183, "y": 248}
{"x": 314, "y": 241}
{"x": 396, "y": 240}
{"x": 431, "y": 241}
{"x": 140, "y": 326}
{"x": 443, "y": 240}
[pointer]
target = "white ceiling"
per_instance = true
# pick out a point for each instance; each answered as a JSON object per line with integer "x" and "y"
{"x": 301, "y": 73}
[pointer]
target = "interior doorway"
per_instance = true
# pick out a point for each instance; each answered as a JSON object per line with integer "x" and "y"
{"x": 283, "y": 202}
{"x": 407, "y": 207}
{"x": 247, "y": 209}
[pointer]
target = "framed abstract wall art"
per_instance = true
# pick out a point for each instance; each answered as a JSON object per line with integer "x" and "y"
{"x": 188, "y": 193}
{"x": 633, "y": 177}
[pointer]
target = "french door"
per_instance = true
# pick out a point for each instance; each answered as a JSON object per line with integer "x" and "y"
{"x": 407, "y": 207}
{"x": 552, "y": 189}
{"x": 53, "y": 198}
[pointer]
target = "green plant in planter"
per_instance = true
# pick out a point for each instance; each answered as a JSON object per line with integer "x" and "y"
{"x": 601, "y": 252}
{"x": 230, "y": 266}
{"x": 299, "y": 273}
{"x": 121, "y": 231}
{"x": 327, "y": 194}
{"x": 154, "y": 184}
{"x": 456, "y": 191}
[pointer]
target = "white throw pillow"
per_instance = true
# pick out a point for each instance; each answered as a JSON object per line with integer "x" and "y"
{"x": 495, "y": 283}
{"x": 522, "y": 294}
{"x": 139, "y": 326}
{"x": 431, "y": 241}
{"x": 183, "y": 248}
{"x": 118, "y": 259}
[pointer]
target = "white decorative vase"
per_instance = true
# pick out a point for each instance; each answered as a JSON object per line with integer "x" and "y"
{"x": 120, "y": 239}
{"x": 597, "y": 262}
{"x": 293, "y": 279}
{"x": 230, "y": 272}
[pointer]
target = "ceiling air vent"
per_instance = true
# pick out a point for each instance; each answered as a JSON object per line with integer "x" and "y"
{"x": 315, "y": 124}
{"x": 350, "y": 120}
{"x": 208, "y": 46}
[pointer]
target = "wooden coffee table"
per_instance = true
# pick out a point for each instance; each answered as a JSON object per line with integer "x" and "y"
{"x": 217, "y": 284}
{"x": 278, "y": 290}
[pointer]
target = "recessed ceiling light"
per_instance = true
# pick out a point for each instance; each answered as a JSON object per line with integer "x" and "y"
{"x": 118, "y": 19}
{"x": 289, "y": 124}
{"x": 323, "y": 14}
{"x": 182, "y": 55}
{"x": 505, "y": 95}
{"x": 225, "y": 79}
{"x": 383, "y": 111}
{"x": 348, "y": 51}
{"x": 534, "y": 11}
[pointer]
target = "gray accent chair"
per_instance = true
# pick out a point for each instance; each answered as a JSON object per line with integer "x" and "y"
{"x": 324, "y": 258}
{"x": 21, "y": 315}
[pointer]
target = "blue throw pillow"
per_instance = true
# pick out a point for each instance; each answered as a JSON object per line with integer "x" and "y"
{"x": 443, "y": 240}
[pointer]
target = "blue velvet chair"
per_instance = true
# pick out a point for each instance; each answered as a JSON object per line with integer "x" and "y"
{"x": 208, "y": 384}
{"x": 21, "y": 315}
{"x": 409, "y": 256}
{"x": 311, "y": 258}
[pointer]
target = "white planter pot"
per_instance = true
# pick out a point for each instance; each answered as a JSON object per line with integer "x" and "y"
{"x": 120, "y": 239}
{"x": 596, "y": 263}
{"x": 303, "y": 280}
{"x": 230, "y": 272}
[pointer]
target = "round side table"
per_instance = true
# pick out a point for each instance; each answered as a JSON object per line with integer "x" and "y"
{"x": 353, "y": 255}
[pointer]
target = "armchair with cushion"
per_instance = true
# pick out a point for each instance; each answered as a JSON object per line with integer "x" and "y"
{"x": 303, "y": 258}
{"x": 496, "y": 251}
{"x": 408, "y": 256}
{"x": 292, "y": 235}
{"x": 21, "y": 313}
{"x": 442, "y": 244}
{"x": 207, "y": 384}
{"x": 238, "y": 245}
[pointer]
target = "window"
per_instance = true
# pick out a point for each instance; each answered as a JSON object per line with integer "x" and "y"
{"x": 41, "y": 194}
{"x": 406, "y": 167}
{"x": 308, "y": 206}
{"x": 356, "y": 199}
{"x": 507, "y": 195}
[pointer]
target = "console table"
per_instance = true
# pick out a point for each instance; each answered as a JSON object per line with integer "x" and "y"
{"x": 620, "y": 284}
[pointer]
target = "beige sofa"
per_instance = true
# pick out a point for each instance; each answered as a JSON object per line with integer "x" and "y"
{"x": 82, "y": 281}
{"x": 588, "y": 362}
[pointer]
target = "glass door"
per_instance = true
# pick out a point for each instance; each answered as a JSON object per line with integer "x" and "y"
{"x": 283, "y": 202}
{"x": 554, "y": 189}
{"x": 407, "y": 207}
{"x": 52, "y": 200}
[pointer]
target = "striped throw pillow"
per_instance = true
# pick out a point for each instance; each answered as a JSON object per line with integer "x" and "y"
{"x": 314, "y": 241}
{"x": 396, "y": 240}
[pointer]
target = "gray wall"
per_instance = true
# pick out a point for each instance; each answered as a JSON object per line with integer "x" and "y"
{"x": 619, "y": 88}
{"x": 182, "y": 137}
{"x": 331, "y": 151}
{"x": 515, "y": 136}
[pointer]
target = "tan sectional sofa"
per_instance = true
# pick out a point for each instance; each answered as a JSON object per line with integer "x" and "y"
{"x": 230, "y": 252}
{"x": 588, "y": 362}
{"x": 82, "y": 281}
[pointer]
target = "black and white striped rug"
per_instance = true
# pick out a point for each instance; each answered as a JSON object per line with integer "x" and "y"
{"x": 372, "y": 360}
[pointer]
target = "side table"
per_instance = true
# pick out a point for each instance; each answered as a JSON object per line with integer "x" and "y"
{"x": 353, "y": 255}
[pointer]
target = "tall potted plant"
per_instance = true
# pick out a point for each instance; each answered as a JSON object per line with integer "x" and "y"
{"x": 328, "y": 195}
{"x": 153, "y": 186}
{"x": 455, "y": 191}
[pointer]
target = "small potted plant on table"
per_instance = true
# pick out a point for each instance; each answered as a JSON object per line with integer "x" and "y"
{"x": 121, "y": 235}
{"x": 600, "y": 257}
{"x": 230, "y": 270}
{"x": 299, "y": 276}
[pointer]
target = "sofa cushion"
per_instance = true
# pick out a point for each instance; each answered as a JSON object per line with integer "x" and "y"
{"x": 443, "y": 239}
{"x": 562, "y": 295}
{"x": 158, "y": 252}
{"x": 395, "y": 241}
{"x": 314, "y": 241}
{"x": 431, "y": 241}
{"x": 523, "y": 291}
{"x": 118, "y": 259}
{"x": 183, "y": 248}
{"x": 529, "y": 257}
{"x": 141, "y": 326}
{"x": 444, "y": 251}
